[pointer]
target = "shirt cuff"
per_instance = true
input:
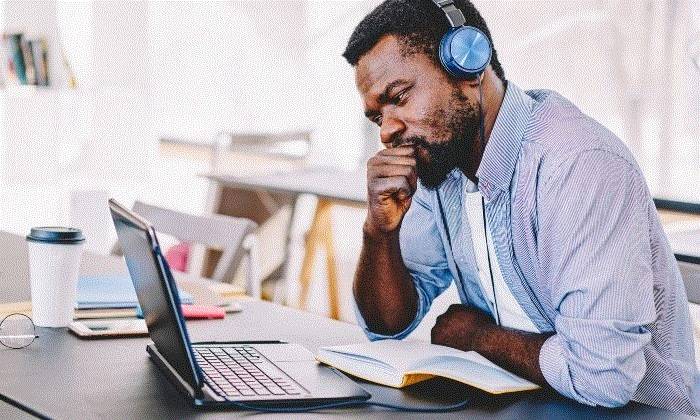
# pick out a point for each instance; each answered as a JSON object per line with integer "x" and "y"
{"x": 420, "y": 313}
{"x": 555, "y": 368}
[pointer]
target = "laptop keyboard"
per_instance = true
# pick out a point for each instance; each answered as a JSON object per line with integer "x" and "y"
{"x": 241, "y": 371}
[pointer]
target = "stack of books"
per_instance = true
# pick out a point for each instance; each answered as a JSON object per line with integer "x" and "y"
{"x": 27, "y": 60}
{"x": 110, "y": 296}
{"x": 113, "y": 296}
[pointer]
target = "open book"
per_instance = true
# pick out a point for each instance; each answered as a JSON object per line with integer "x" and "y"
{"x": 401, "y": 363}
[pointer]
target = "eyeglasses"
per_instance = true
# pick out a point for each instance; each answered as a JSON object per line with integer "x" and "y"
{"x": 17, "y": 331}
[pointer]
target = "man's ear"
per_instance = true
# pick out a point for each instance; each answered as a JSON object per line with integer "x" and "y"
{"x": 472, "y": 83}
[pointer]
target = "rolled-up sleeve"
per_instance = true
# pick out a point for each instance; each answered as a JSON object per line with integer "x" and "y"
{"x": 424, "y": 256}
{"x": 595, "y": 257}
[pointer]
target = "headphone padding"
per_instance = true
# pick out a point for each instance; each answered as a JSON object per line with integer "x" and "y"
{"x": 465, "y": 52}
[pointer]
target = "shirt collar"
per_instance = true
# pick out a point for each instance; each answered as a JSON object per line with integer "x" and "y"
{"x": 503, "y": 147}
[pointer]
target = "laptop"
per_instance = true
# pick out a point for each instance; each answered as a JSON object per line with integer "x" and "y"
{"x": 218, "y": 374}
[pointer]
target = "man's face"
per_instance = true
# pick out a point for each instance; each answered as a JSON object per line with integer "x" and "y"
{"x": 414, "y": 102}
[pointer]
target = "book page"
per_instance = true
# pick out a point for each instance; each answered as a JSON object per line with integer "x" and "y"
{"x": 401, "y": 355}
{"x": 475, "y": 372}
{"x": 361, "y": 366}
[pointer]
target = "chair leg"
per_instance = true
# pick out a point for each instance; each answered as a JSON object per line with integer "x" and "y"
{"x": 331, "y": 268}
{"x": 307, "y": 265}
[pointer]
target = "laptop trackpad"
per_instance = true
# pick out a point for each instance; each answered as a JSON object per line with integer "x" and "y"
{"x": 285, "y": 352}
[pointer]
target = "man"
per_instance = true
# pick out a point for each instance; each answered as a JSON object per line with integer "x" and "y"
{"x": 547, "y": 226}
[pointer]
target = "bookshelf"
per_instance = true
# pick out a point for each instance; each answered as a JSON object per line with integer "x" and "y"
{"x": 56, "y": 139}
{"x": 35, "y": 19}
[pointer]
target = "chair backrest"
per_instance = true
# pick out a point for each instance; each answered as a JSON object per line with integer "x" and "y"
{"x": 224, "y": 232}
{"x": 690, "y": 271}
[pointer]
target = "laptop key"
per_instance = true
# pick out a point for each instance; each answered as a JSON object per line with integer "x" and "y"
{"x": 262, "y": 391}
{"x": 276, "y": 390}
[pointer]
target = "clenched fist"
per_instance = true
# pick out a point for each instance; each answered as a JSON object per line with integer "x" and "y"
{"x": 461, "y": 327}
{"x": 391, "y": 182}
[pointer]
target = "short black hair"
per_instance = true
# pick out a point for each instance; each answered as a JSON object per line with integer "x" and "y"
{"x": 419, "y": 24}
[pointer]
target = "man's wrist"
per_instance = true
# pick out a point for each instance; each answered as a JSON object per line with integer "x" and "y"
{"x": 482, "y": 338}
{"x": 373, "y": 234}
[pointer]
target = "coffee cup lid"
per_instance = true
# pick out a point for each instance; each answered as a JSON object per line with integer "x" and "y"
{"x": 56, "y": 235}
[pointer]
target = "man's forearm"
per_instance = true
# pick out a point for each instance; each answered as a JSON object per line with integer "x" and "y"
{"x": 516, "y": 351}
{"x": 383, "y": 289}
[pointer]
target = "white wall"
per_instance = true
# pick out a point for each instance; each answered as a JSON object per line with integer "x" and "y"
{"x": 340, "y": 128}
{"x": 237, "y": 66}
{"x": 625, "y": 63}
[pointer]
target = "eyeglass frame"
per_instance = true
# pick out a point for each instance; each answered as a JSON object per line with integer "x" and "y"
{"x": 33, "y": 336}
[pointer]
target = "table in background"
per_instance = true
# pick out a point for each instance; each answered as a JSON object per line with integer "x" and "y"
{"x": 332, "y": 187}
{"x": 62, "y": 376}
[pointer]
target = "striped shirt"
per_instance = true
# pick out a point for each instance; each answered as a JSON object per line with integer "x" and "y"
{"x": 580, "y": 246}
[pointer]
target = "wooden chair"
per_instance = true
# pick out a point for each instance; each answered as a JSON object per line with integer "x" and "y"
{"x": 251, "y": 154}
{"x": 232, "y": 235}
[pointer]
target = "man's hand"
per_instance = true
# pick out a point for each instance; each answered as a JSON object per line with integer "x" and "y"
{"x": 383, "y": 287}
{"x": 467, "y": 329}
{"x": 391, "y": 182}
{"x": 461, "y": 327}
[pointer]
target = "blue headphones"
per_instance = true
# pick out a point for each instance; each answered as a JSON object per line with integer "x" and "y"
{"x": 465, "y": 51}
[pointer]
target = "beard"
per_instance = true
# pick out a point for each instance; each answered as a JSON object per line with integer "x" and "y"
{"x": 436, "y": 159}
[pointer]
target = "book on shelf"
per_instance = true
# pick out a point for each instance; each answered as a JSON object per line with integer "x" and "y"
{"x": 15, "y": 59}
{"x": 29, "y": 67}
{"x": 40, "y": 50}
{"x": 398, "y": 364}
{"x": 26, "y": 59}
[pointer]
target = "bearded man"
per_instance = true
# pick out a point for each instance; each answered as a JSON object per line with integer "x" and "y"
{"x": 539, "y": 215}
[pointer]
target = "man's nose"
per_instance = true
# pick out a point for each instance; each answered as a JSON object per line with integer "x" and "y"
{"x": 391, "y": 127}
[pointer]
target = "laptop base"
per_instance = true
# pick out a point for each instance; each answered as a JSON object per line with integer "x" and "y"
{"x": 325, "y": 385}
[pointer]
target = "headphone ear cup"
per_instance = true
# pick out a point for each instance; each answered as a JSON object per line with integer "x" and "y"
{"x": 465, "y": 52}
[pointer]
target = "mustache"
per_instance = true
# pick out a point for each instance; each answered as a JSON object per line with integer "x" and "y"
{"x": 414, "y": 141}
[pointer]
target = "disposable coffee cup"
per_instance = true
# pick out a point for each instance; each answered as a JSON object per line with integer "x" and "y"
{"x": 54, "y": 264}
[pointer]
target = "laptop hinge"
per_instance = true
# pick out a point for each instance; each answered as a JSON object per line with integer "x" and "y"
{"x": 172, "y": 374}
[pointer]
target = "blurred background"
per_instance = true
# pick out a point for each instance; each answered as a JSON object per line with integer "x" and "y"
{"x": 140, "y": 100}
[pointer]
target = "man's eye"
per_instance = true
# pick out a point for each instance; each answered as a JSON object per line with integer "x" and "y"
{"x": 400, "y": 97}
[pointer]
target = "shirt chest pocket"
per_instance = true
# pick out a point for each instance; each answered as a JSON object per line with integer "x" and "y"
{"x": 421, "y": 241}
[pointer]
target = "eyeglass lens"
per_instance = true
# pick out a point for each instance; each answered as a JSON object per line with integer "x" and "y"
{"x": 17, "y": 331}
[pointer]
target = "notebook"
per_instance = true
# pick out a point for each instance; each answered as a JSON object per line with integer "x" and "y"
{"x": 398, "y": 364}
{"x": 114, "y": 292}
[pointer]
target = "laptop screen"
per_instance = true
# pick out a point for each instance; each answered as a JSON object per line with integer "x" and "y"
{"x": 156, "y": 292}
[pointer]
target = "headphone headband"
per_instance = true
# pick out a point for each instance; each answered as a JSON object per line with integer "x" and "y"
{"x": 464, "y": 51}
{"x": 454, "y": 15}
